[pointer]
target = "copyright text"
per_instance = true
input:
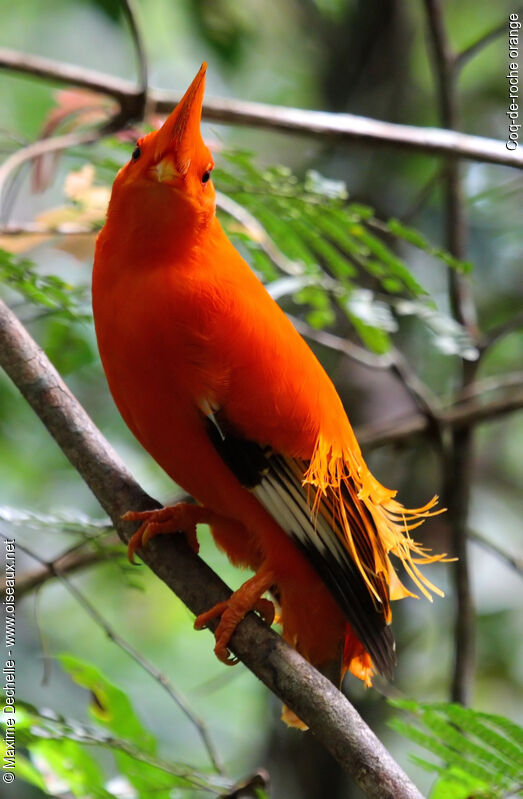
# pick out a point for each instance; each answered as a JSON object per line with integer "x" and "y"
{"x": 514, "y": 126}
{"x": 8, "y": 669}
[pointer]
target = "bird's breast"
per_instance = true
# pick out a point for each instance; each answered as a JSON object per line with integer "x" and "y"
{"x": 153, "y": 334}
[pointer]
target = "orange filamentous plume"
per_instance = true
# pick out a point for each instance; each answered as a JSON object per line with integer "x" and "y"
{"x": 342, "y": 479}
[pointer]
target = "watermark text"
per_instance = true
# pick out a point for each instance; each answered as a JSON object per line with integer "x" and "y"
{"x": 514, "y": 126}
{"x": 8, "y": 669}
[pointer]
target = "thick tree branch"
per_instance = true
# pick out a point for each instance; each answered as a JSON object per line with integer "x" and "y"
{"x": 328, "y": 713}
{"x": 340, "y": 127}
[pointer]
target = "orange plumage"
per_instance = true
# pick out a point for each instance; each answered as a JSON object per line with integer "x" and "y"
{"x": 217, "y": 385}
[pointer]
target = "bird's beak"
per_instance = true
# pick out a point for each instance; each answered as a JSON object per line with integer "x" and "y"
{"x": 180, "y": 133}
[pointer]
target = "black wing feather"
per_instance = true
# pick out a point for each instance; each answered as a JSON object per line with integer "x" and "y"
{"x": 274, "y": 481}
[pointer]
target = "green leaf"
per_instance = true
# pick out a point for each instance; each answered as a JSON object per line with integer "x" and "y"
{"x": 315, "y": 183}
{"x": 26, "y": 771}
{"x": 449, "y": 336}
{"x": 376, "y": 340}
{"x": 417, "y": 239}
{"x": 112, "y": 708}
{"x": 24, "y": 768}
{"x": 457, "y": 784}
{"x": 361, "y": 211}
{"x": 261, "y": 263}
{"x": 311, "y": 224}
{"x": 61, "y": 744}
{"x": 453, "y": 737}
{"x": 46, "y": 291}
{"x": 67, "y": 348}
{"x": 75, "y": 522}
{"x": 472, "y": 722}
{"x": 69, "y": 762}
{"x": 437, "y": 747}
{"x": 513, "y": 730}
{"x": 394, "y": 266}
{"x": 478, "y": 757}
{"x": 321, "y": 318}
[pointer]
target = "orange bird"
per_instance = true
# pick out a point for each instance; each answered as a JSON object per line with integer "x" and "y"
{"x": 220, "y": 389}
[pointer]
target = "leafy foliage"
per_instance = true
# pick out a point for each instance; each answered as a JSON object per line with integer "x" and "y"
{"x": 60, "y": 748}
{"x": 49, "y": 292}
{"x": 337, "y": 251}
{"x": 68, "y": 522}
{"x": 482, "y": 753}
{"x": 90, "y": 535}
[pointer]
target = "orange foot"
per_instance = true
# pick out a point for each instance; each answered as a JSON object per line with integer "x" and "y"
{"x": 180, "y": 518}
{"x": 234, "y": 609}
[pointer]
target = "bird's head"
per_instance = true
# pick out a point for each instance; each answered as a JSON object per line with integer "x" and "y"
{"x": 169, "y": 173}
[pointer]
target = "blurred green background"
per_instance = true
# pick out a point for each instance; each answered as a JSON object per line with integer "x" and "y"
{"x": 370, "y": 58}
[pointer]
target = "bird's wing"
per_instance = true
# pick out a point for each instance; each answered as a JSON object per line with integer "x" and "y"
{"x": 278, "y": 483}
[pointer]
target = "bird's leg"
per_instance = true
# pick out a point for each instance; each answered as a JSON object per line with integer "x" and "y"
{"x": 232, "y": 611}
{"x": 180, "y": 518}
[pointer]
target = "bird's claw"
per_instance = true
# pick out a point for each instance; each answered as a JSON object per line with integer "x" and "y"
{"x": 181, "y": 518}
{"x": 232, "y": 611}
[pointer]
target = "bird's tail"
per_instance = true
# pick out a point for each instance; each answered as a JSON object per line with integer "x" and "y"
{"x": 340, "y": 478}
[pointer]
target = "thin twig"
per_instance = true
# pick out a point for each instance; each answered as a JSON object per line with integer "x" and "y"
{"x": 339, "y": 127}
{"x": 455, "y": 223}
{"x": 131, "y": 101}
{"x": 343, "y": 345}
{"x": 506, "y": 557}
{"x": 458, "y": 417}
{"x": 493, "y": 383}
{"x": 500, "y": 331}
{"x": 457, "y": 459}
{"x": 145, "y": 664}
{"x": 485, "y": 39}
{"x": 312, "y": 696}
{"x": 46, "y": 657}
{"x": 16, "y": 229}
{"x": 426, "y": 401}
{"x": 422, "y": 196}
{"x": 38, "y": 148}
{"x": 130, "y": 12}
{"x": 67, "y": 562}
{"x": 69, "y": 729}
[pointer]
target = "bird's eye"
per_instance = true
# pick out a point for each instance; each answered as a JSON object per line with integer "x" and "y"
{"x": 206, "y": 176}
{"x": 136, "y": 153}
